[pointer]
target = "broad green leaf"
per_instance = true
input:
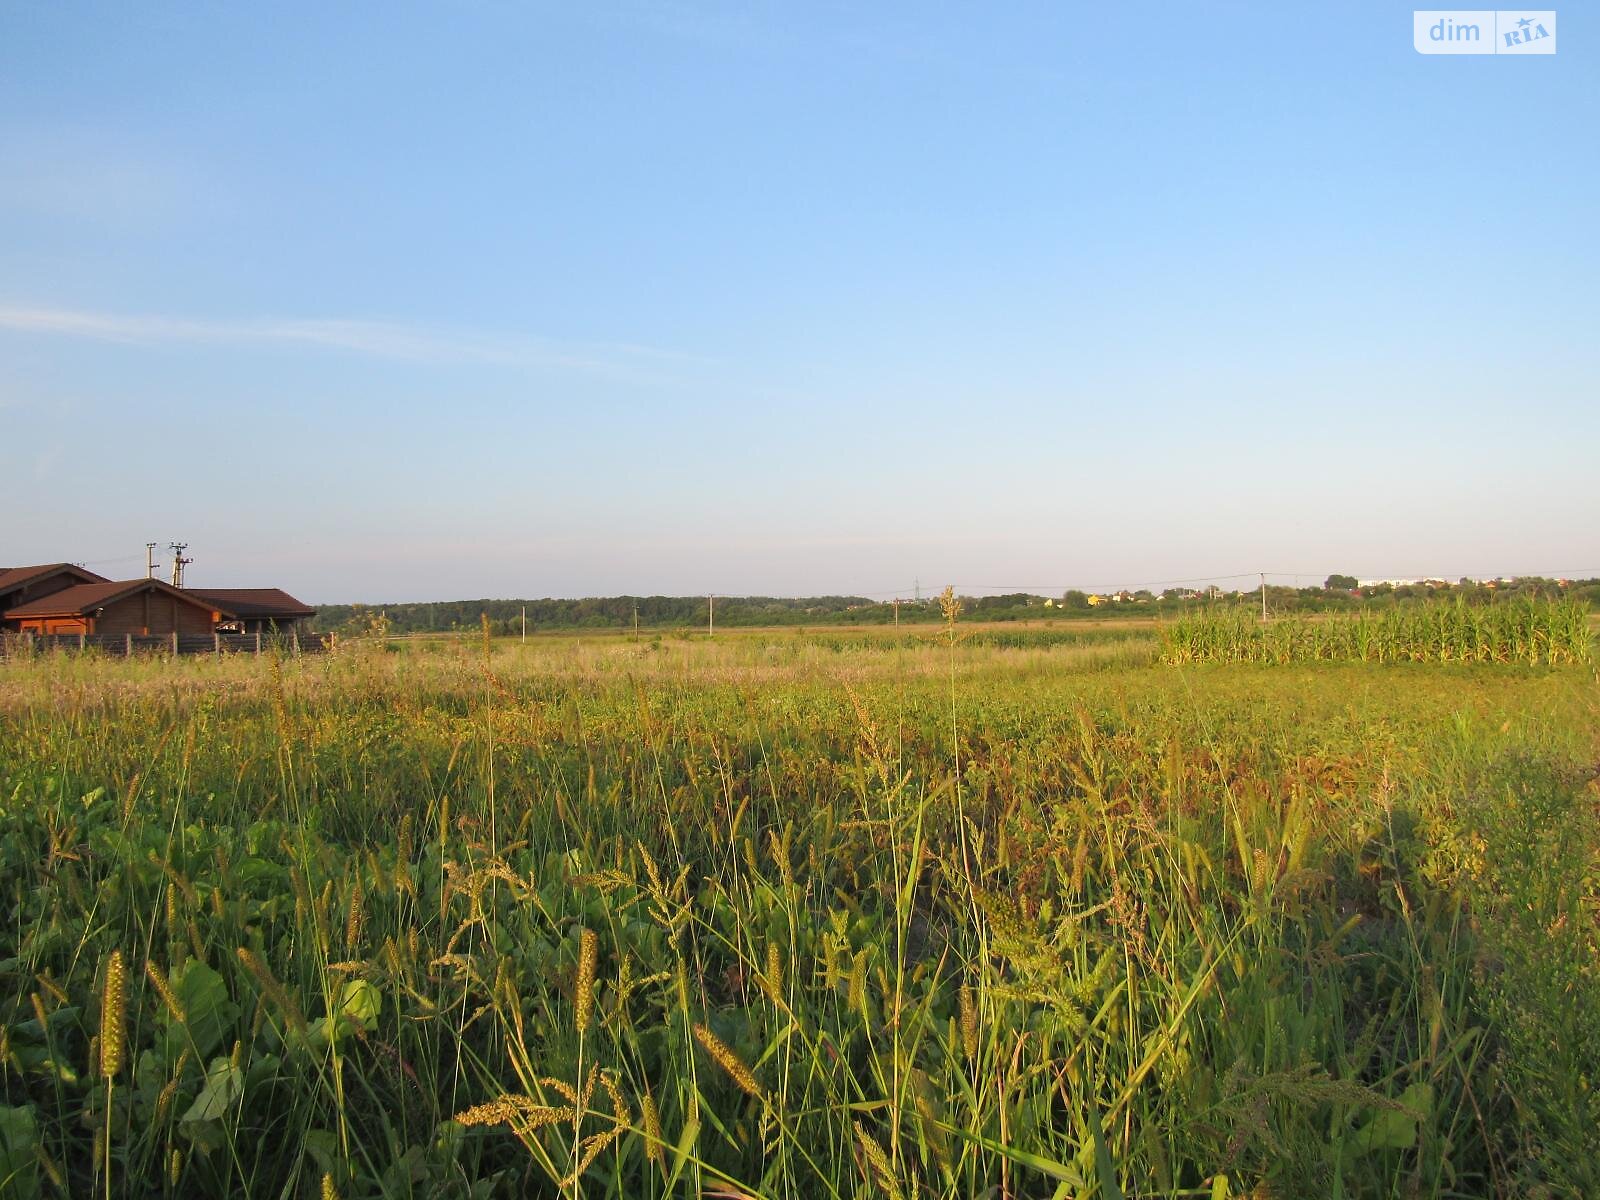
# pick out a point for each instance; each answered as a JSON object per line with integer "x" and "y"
{"x": 361, "y": 1001}
{"x": 256, "y": 870}
{"x": 1393, "y": 1128}
{"x": 323, "y": 1147}
{"x": 60, "y": 1019}
{"x": 19, "y": 1165}
{"x": 210, "y": 1013}
{"x": 224, "y": 1085}
{"x": 404, "y": 1173}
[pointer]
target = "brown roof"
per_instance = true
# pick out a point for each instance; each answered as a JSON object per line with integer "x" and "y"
{"x": 12, "y": 578}
{"x": 83, "y": 599}
{"x": 256, "y": 602}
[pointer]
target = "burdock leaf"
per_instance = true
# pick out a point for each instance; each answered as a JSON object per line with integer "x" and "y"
{"x": 224, "y": 1084}
{"x": 210, "y": 1012}
{"x": 361, "y": 1001}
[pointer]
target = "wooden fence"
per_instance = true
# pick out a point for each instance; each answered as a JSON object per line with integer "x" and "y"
{"x": 127, "y": 645}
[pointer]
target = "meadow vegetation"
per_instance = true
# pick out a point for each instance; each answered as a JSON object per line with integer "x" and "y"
{"x": 1528, "y": 630}
{"x": 1339, "y": 593}
{"x": 953, "y": 913}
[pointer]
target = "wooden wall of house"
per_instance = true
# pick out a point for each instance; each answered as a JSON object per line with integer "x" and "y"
{"x": 55, "y": 625}
{"x": 152, "y": 613}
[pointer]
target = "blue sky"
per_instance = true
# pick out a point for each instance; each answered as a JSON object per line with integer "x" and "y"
{"x": 389, "y": 302}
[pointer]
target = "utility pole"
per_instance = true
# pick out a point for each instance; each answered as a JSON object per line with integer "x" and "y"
{"x": 149, "y": 560}
{"x": 635, "y": 622}
{"x": 711, "y": 616}
{"x": 1263, "y": 596}
{"x": 524, "y": 623}
{"x": 897, "y": 612}
{"x": 179, "y": 562}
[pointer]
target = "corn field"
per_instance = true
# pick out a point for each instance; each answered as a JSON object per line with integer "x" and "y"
{"x": 762, "y": 919}
{"x": 1528, "y": 631}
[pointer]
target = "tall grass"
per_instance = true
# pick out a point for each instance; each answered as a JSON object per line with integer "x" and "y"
{"x": 699, "y": 921}
{"x": 1526, "y": 630}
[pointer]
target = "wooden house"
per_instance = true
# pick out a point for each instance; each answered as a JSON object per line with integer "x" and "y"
{"x": 21, "y": 585}
{"x": 257, "y": 610}
{"x": 140, "y": 607}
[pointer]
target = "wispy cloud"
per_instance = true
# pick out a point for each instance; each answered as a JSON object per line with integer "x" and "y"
{"x": 378, "y": 339}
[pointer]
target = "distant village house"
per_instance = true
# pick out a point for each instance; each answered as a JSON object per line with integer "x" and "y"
{"x": 62, "y": 599}
{"x": 257, "y": 610}
{"x": 144, "y": 607}
{"x": 19, "y": 585}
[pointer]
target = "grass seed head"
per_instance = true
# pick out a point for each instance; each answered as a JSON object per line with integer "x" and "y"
{"x": 129, "y": 795}
{"x": 169, "y": 998}
{"x": 112, "y": 1016}
{"x": 323, "y": 913}
{"x": 355, "y": 919}
{"x": 51, "y": 1170}
{"x": 51, "y": 986}
{"x": 730, "y": 1062}
{"x": 591, "y": 1150}
{"x": 620, "y": 1112}
{"x": 164, "y": 1100}
{"x": 588, "y": 960}
{"x": 519, "y": 1112}
{"x": 856, "y": 992}
{"x": 879, "y": 1167}
{"x": 403, "y": 851}
{"x": 271, "y": 988}
{"x": 774, "y": 975}
{"x": 653, "y": 1148}
{"x": 969, "y": 1023}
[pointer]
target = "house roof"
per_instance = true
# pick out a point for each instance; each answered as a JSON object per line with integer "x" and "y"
{"x": 12, "y": 578}
{"x": 256, "y": 602}
{"x": 86, "y": 597}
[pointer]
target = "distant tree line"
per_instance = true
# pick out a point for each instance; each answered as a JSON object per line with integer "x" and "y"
{"x": 1338, "y": 592}
{"x": 616, "y": 612}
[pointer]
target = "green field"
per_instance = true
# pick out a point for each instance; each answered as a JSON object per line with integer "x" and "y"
{"x": 962, "y": 912}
